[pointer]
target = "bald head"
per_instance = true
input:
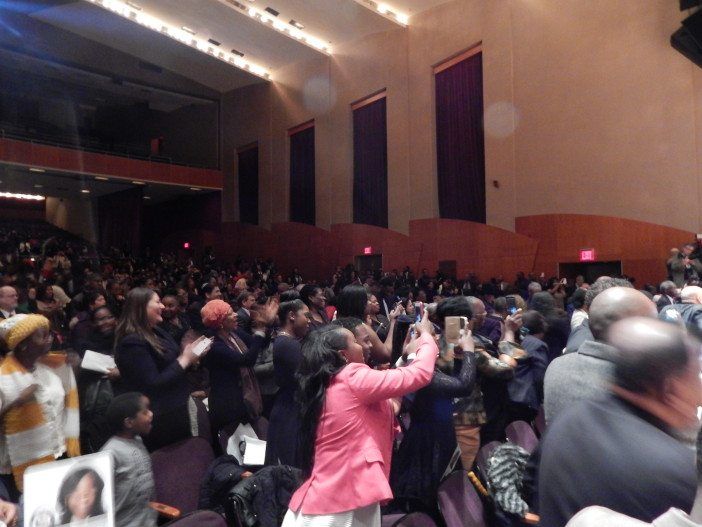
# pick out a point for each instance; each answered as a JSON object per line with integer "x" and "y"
{"x": 618, "y": 303}
{"x": 691, "y": 294}
{"x": 8, "y": 298}
{"x": 648, "y": 352}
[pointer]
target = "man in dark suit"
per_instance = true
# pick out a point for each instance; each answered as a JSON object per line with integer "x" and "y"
{"x": 688, "y": 311}
{"x": 8, "y": 301}
{"x": 668, "y": 296}
{"x": 243, "y": 316}
{"x": 622, "y": 451}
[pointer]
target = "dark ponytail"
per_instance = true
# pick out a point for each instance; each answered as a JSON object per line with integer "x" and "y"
{"x": 321, "y": 360}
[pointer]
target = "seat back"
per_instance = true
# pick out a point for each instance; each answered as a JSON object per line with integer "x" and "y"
{"x": 459, "y": 502}
{"x": 199, "y": 519}
{"x": 179, "y": 470}
{"x": 415, "y": 519}
{"x": 204, "y": 429}
{"x": 522, "y": 434}
{"x": 483, "y": 455}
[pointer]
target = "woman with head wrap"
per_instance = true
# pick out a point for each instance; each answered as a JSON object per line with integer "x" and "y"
{"x": 38, "y": 399}
{"x": 234, "y": 393}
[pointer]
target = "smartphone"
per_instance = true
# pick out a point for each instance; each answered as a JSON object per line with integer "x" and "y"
{"x": 564, "y": 281}
{"x": 511, "y": 304}
{"x": 453, "y": 327}
{"x": 202, "y": 346}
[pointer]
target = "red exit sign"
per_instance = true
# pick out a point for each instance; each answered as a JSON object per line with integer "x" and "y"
{"x": 368, "y": 250}
{"x": 587, "y": 255}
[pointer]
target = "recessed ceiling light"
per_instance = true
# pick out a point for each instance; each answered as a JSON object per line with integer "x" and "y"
{"x": 135, "y": 6}
{"x": 147, "y": 197}
{"x": 138, "y": 183}
{"x": 296, "y": 24}
{"x": 195, "y": 188}
{"x": 188, "y": 30}
{"x": 102, "y": 178}
{"x": 41, "y": 170}
{"x": 38, "y": 186}
{"x": 21, "y": 196}
{"x": 85, "y": 191}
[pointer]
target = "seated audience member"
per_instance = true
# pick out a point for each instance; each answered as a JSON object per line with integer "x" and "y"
{"x": 39, "y": 401}
{"x": 284, "y": 426}
{"x": 668, "y": 295}
{"x": 95, "y": 389}
{"x": 347, "y": 416}
{"x": 585, "y": 373}
{"x": 175, "y": 322}
{"x": 313, "y": 297}
{"x": 129, "y": 418}
{"x": 558, "y": 326}
{"x": 622, "y": 451}
{"x": 428, "y": 445}
{"x": 582, "y": 332}
{"x": 484, "y": 324}
{"x": 243, "y": 316}
{"x": 602, "y": 517}
{"x": 8, "y": 302}
{"x": 48, "y": 306}
{"x": 688, "y": 311}
{"x": 151, "y": 362}
{"x": 387, "y": 297}
{"x": 526, "y": 389}
{"x": 378, "y": 322}
{"x": 235, "y": 396}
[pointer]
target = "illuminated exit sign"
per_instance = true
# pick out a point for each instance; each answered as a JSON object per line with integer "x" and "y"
{"x": 587, "y": 255}
{"x": 368, "y": 250}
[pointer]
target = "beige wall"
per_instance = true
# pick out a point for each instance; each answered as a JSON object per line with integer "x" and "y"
{"x": 76, "y": 216}
{"x": 587, "y": 109}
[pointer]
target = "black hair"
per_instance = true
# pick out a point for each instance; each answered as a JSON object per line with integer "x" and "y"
{"x": 350, "y": 323}
{"x": 602, "y": 284}
{"x": 243, "y": 296}
{"x": 68, "y": 486}
{"x": 534, "y": 321}
{"x": 292, "y": 306}
{"x": 577, "y": 299}
{"x": 290, "y": 294}
{"x": 321, "y": 360}
{"x": 455, "y": 306}
{"x": 544, "y": 303}
{"x": 307, "y": 292}
{"x": 124, "y": 406}
{"x": 94, "y": 312}
{"x": 352, "y": 302}
{"x": 91, "y": 296}
{"x": 207, "y": 288}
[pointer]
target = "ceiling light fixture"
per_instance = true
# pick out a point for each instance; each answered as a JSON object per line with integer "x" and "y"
{"x": 85, "y": 191}
{"x": 135, "y": 6}
{"x": 138, "y": 183}
{"x": 296, "y": 24}
{"x": 389, "y": 12}
{"x": 195, "y": 188}
{"x": 12, "y": 195}
{"x": 40, "y": 170}
{"x": 147, "y": 197}
{"x": 38, "y": 186}
{"x": 268, "y": 20}
{"x": 102, "y": 178}
{"x": 183, "y": 34}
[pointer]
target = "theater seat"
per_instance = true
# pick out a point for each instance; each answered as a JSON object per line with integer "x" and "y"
{"x": 179, "y": 470}
{"x": 459, "y": 502}
{"x": 522, "y": 434}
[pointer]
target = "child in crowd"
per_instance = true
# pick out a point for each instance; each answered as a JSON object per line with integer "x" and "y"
{"x": 130, "y": 418}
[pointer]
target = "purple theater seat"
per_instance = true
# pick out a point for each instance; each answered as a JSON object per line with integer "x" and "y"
{"x": 522, "y": 434}
{"x": 179, "y": 470}
{"x": 459, "y": 502}
{"x": 482, "y": 458}
{"x": 415, "y": 519}
{"x": 199, "y": 519}
{"x": 388, "y": 520}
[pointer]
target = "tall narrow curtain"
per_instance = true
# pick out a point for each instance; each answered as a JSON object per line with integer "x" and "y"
{"x": 248, "y": 185}
{"x": 119, "y": 219}
{"x": 460, "y": 143}
{"x": 370, "y": 164}
{"x": 302, "y": 204}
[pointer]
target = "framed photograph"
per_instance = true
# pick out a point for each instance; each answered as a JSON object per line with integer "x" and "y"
{"x": 76, "y": 491}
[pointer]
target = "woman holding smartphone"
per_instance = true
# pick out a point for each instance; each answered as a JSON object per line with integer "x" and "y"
{"x": 347, "y": 427}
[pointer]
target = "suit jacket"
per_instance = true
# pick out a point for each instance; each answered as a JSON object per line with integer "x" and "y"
{"x": 243, "y": 320}
{"x": 355, "y": 435}
{"x": 577, "y": 376}
{"x": 609, "y": 453}
{"x": 578, "y": 335}
{"x": 663, "y": 301}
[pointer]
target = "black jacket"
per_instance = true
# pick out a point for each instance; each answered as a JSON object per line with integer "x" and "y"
{"x": 221, "y": 477}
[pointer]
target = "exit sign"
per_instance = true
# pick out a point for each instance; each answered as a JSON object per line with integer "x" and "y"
{"x": 587, "y": 255}
{"x": 368, "y": 250}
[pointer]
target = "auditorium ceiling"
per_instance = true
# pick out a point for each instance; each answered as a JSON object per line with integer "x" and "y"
{"x": 252, "y": 38}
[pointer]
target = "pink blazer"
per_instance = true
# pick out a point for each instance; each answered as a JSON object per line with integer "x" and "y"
{"x": 355, "y": 435}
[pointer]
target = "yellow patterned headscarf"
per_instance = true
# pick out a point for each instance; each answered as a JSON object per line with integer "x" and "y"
{"x": 15, "y": 329}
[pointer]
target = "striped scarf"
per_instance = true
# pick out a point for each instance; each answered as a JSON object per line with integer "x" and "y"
{"x": 30, "y": 437}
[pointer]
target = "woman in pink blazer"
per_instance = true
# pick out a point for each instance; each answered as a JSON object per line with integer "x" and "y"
{"x": 348, "y": 427}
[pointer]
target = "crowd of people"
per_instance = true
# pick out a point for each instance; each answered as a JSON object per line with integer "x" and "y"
{"x": 335, "y": 366}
